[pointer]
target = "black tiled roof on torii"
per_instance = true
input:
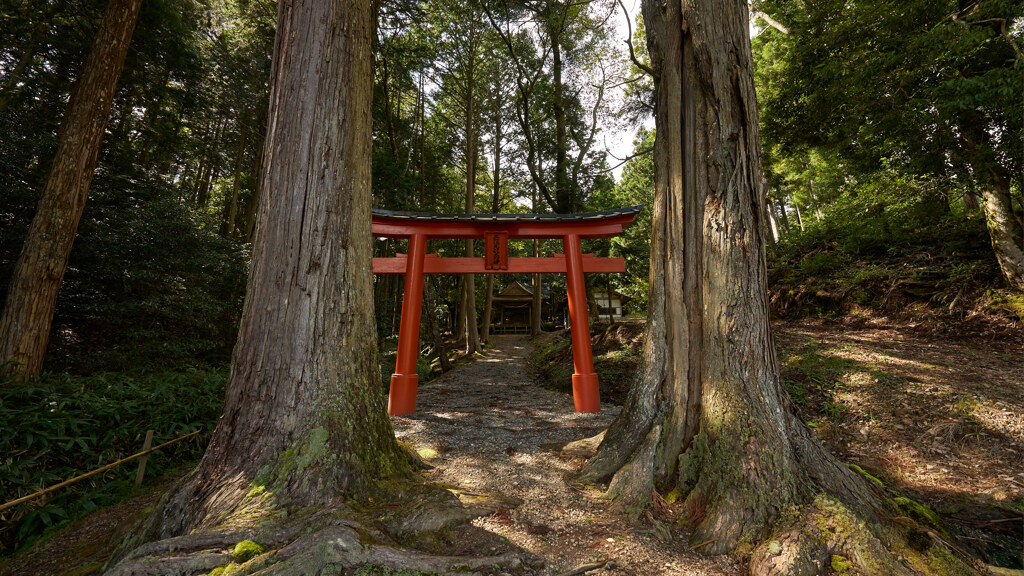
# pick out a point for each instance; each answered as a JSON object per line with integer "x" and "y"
{"x": 588, "y": 216}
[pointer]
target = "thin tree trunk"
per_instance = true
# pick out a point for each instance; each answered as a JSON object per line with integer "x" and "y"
{"x": 39, "y": 271}
{"x": 707, "y": 415}
{"x": 536, "y": 282}
{"x": 485, "y": 328}
{"x": 213, "y": 164}
{"x": 304, "y": 416}
{"x": 485, "y": 332}
{"x": 388, "y": 113}
{"x": 970, "y": 196}
{"x": 773, "y": 220}
{"x": 460, "y": 316}
{"x": 229, "y": 227}
{"x": 13, "y": 75}
{"x": 563, "y": 196}
{"x": 432, "y": 326}
{"x": 469, "y": 293}
{"x": 423, "y": 147}
{"x": 799, "y": 217}
{"x": 783, "y": 216}
{"x": 608, "y": 290}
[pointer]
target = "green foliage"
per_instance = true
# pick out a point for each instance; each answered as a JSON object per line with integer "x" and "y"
{"x": 145, "y": 286}
{"x": 155, "y": 278}
{"x": 60, "y": 426}
{"x": 634, "y": 244}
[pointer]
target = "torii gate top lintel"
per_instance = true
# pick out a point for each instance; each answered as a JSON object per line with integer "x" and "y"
{"x": 496, "y": 229}
{"x": 605, "y": 224}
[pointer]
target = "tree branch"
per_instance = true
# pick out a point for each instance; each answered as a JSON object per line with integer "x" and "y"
{"x": 629, "y": 42}
{"x": 770, "y": 21}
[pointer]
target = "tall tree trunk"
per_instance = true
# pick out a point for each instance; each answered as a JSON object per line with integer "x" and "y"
{"x": 423, "y": 147}
{"x": 707, "y": 415}
{"x": 304, "y": 415}
{"x": 485, "y": 322}
{"x": 232, "y": 212}
{"x": 1004, "y": 228}
{"x": 485, "y": 331}
{"x": 536, "y": 283}
{"x": 563, "y": 196}
{"x": 783, "y": 216}
{"x": 460, "y": 316}
{"x": 13, "y": 75}
{"x": 773, "y": 220}
{"x": 213, "y": 167}
{"x": 32, "y": 295}
{"x": 435, "y": 331}
{"x": 799, "y": 217}
{"x": 970, "y": 196}
{"x": 608, "y": 293}
{"x": 469, "y": 292}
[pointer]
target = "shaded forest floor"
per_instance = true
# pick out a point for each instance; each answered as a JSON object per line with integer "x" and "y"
{"x": 936, "y": 417}
{"x": 85, "y": 545}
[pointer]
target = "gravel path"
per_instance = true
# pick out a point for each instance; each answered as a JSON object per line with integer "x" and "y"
{"x": 488, "y": 429}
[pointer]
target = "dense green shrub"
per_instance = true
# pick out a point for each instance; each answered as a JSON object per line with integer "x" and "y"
{"x": 60, "y": 426}
{"x": 147, "y": 284}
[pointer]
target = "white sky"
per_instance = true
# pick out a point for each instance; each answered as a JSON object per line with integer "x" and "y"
{"x": 619, "y": 141}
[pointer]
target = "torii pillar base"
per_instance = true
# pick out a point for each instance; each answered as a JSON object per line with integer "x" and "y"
{"x": 402, "y": 398}
{"x": 585, "y": 396}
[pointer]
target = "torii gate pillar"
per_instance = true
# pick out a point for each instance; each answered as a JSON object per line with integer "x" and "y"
{"x": 402, "y": 398}
{"x": 584, "y": 380}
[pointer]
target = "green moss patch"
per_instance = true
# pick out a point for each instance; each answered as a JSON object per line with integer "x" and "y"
{"x": 246, "y": 550}
{"x": 840, "y": 564}
{"x": 921, "y": 514}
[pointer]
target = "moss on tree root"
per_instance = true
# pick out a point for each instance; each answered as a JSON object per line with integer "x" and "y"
{"x": 341, "y": 536}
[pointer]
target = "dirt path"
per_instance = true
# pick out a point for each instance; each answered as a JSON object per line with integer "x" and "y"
{"x": 487, "y": 429}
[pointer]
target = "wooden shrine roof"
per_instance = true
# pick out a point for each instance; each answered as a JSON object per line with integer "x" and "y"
{"x": 546, "y": 218}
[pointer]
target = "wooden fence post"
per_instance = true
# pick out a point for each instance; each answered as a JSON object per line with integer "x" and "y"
{"x": 142, "y": 461}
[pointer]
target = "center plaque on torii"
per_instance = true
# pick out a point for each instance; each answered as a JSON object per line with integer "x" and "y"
{"x": 495, "y": 230}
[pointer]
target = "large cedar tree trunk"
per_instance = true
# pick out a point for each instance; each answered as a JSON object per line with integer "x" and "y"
{"x": 304, "y": 414}
{"x": 707, "y": 416}
{"x": 39, "y": 271}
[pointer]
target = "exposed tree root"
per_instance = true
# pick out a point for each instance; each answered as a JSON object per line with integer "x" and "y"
{"x": 341, "y": 547}
{"x": 827, "y": 530}
{"x": 324, "y": 551}
{"x": 326, "y": 541}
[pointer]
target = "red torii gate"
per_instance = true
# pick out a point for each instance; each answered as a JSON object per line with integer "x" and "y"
{"x": 496, "y": 229}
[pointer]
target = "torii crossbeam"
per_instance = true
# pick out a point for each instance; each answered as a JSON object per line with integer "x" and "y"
{"x": 496, "y": 229}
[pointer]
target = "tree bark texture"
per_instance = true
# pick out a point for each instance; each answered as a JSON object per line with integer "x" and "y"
{"x": 783, "y": 216}
{"x": 39, "y": 271}
{"x": 707, "y": 415}
{"x": 304, "y": 414}
{"x": 469, "y": 287}
{"x": 231, "y": 219}
{"x": 485, "y": 330}
{"x": 563, "y": 196}
{"x": 1004, "y": 229}
{"x": 432, "y": 325}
